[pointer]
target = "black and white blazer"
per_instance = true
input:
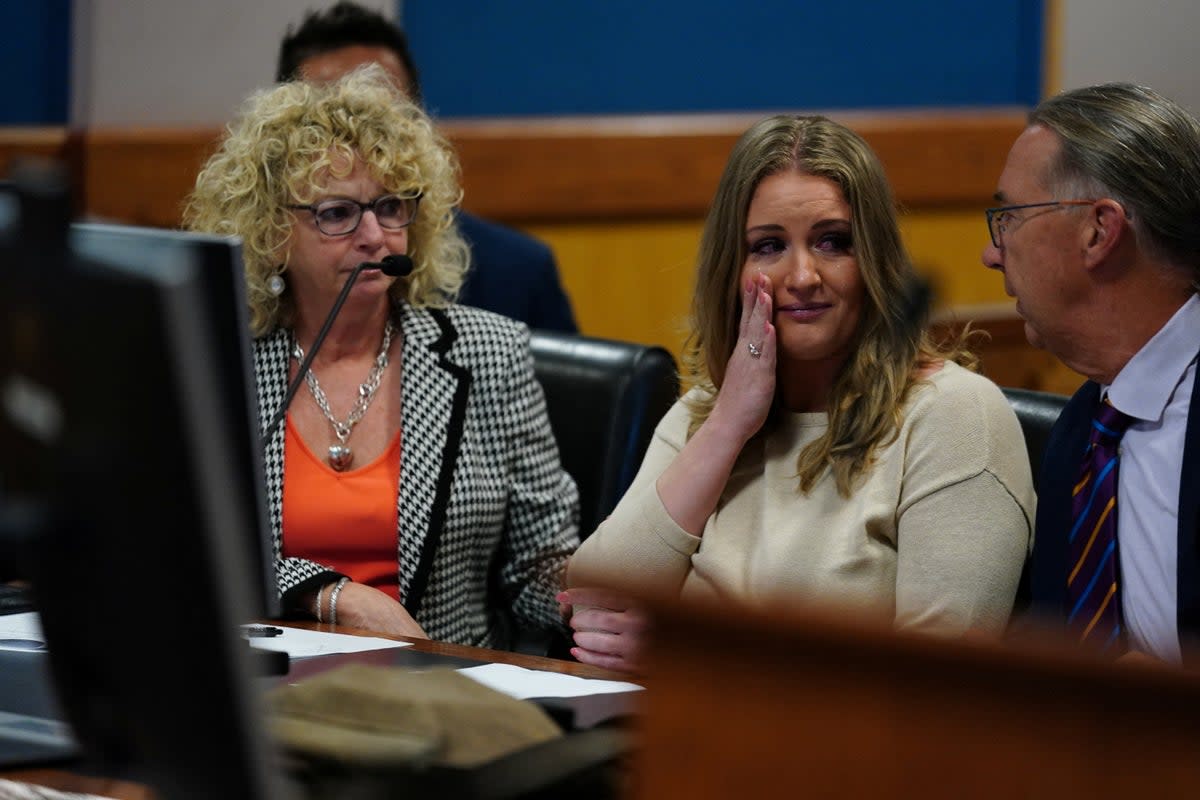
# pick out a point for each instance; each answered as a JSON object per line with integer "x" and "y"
{"x": 487, "y": 516}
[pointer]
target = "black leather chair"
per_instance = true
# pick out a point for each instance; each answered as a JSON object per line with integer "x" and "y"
{"x": 1037, "y": 412}
{"x": 604, "y": 398}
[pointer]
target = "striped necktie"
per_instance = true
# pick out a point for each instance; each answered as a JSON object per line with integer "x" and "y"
{"x": 1093, "y": 599}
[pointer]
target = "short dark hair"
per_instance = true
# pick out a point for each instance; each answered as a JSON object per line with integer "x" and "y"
{"x": 344, "y": 24}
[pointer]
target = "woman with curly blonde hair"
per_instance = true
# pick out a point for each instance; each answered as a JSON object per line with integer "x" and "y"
{"x": 415, "y": 488}
{"x": 828, "y": 449}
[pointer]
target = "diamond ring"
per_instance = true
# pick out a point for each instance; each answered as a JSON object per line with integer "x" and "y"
{"x": 754, "y": 349}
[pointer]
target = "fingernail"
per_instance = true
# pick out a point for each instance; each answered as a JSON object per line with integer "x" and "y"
{"x": 561, "y": 597}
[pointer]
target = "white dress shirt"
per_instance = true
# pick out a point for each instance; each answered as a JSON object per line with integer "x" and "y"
{"x": 1154, "y": 387}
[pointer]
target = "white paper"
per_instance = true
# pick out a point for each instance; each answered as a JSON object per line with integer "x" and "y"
{"x": 299, "y": 643}
{"x": 20, "y": 628}
{"x": 524, "y": 683}
{"x": 295, "y": 642}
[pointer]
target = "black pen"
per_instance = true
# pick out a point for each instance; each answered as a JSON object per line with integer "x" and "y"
{"x": 260, "y": 631}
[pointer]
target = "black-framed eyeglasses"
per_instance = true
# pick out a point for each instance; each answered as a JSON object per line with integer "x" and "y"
{"x": 340, "y": 217}
{"x": 999, "y": 218}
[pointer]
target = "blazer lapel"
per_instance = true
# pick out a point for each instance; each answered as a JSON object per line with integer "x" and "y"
{"x": 271, "y": 369}
{"x": 1188, "y": 554}
{"x": 434, "y": 403}
{"x": 1060, "y": 466}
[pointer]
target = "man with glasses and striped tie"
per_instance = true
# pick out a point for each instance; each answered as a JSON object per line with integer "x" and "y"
{"x": 1097, "y": 234}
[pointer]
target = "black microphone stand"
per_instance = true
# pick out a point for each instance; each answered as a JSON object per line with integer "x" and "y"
{"x": 393, "y": 265}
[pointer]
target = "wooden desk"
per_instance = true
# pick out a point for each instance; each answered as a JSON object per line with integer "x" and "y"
{"x": 422, "y": 653}
{"x": 806, "y": 705}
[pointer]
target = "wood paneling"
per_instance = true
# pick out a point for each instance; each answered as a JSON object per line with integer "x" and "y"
{"x": 668, "y": 166}
{"x": 621, "y": 200}
{"x": 1004, "y": 351}
{"x": 142, "y": 176}
{"x": 30, "y": 142}
{"x": 572, "y": 169}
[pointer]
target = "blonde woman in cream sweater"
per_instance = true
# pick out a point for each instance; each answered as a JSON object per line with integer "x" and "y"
{"x": 827, "y": 451}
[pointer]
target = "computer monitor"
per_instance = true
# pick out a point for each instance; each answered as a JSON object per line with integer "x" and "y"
{"x": 28, "y": 418}
{"x": 218, "y": 263}
{"x": 116, "y": 445}
{"x": 8, "y": 209}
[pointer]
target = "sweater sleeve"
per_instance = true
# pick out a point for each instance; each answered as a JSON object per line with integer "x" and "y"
{"x": 639, "y": 547}
{"x": 965, "y": 518}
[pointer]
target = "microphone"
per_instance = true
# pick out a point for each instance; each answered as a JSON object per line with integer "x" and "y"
{"x": 395, "y": 266}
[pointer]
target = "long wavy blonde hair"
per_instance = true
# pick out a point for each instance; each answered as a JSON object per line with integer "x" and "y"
{"x": 288, "y": 140}
{"x": 891, "y": 343}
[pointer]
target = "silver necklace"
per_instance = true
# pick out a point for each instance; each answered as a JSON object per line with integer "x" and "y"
{"x": 340, "y": 454}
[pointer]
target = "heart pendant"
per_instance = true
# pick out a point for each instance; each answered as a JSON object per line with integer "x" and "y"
{"x": 340, "y": 457}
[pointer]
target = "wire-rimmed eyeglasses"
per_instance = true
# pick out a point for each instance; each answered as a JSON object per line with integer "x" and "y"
{"x": 340, "y": 217}
{"x": 999, "y": 218}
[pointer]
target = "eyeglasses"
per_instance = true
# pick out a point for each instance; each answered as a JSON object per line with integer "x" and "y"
{"x": 998, "y": 219}
{"x": 341, "y": 217}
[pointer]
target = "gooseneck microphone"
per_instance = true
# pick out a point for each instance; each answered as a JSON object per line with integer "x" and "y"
{"x": 396, "y": 266}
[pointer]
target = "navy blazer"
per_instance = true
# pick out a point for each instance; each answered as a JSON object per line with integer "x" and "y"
{"x": 514, "y": 275}
{"x": 1060, "y": 464}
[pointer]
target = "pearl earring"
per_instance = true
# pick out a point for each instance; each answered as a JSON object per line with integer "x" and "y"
{"x": 275, "y": 284}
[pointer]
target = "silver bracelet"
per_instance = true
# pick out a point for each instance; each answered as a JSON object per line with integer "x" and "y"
{"x": 333, "y": 600}
{"x": 320, "y": 589}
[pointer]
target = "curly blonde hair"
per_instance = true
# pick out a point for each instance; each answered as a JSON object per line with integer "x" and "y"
{"x": 288, "y": 140}
{"x": 891, "y": 343}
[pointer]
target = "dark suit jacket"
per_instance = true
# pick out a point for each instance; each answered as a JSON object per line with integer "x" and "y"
{"x": 1060, "y": 464}
{"x": 513, "y": 275}
{"x": 487, "y": 516}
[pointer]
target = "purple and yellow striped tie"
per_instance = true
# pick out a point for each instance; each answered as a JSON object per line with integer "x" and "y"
{"x": 1093, "y": 597}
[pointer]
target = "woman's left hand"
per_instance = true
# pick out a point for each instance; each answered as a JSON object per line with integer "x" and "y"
{"x": 362, "y": 606}
{"x": 610, "y": 629}
{"x": 691, "y": 485}
{"x": 748, "y": 390}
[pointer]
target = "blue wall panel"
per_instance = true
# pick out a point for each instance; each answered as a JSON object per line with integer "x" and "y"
{"x": 624, "y": 56}
{"x": 35, "y": 61}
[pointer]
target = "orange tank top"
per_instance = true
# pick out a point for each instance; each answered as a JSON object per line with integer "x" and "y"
{"x": 344, "y": 520}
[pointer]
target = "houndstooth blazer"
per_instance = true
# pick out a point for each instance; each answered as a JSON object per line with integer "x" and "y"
{"x": 487, "y": 516}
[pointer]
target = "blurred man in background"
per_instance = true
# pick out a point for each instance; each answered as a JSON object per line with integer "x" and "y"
{"x": 512, "y": 273}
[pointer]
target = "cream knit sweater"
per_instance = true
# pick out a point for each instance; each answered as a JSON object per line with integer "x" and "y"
{"x": 933, "y": 537}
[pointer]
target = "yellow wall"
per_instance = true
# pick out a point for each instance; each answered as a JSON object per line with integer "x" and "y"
{"x": 945, "y": 247}
{"x": 628, "y": 281}
{"x": 633, "y": 281}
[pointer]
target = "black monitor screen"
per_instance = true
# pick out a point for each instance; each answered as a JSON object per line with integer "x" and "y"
{"x": 116, "y": 435}
{"x": 218, "y": 263}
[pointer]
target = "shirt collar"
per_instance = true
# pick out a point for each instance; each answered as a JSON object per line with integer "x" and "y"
{"x": 1145, "y": 385}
